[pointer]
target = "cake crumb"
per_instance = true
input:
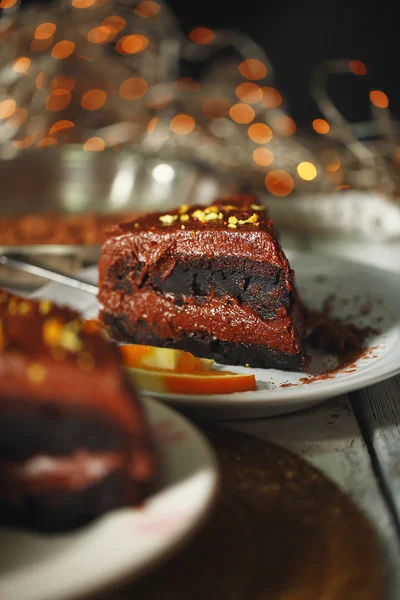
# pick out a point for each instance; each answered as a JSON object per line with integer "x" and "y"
{"x": 253, "y": 220}
{"x": 183, "y": 227}
{"x": 232, "y": 225}
{"x": 184, "y": 218}
{"x": 13, "y": 306}
{"x": 233, "y": 220}
{"x": 24, "y": 308}
{"x": 256, "y": 207}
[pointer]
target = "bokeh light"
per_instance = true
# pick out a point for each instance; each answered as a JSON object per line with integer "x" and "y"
{"x": 44, "y": 31}
{"x": 21, "y": 65}
{"x": 284, "y": 125}
{"x": 93, "y": 99}
{"x": 147, "y": 9}
{"x": 248, "y": 92}
{"x": 40, "y": 45}
{"x": 379, "y": 99}
{"x": 260, "y": 133}
{"x": 271, "y": 97}
{"x": 61, "y": 126}
{"x": 182, "y": 124}
{"x": 151, "y": 125}
{"x": 321, "y": 126}
{"x": 47, "y": 141}
{"x": 202, "y": 35}
{"x": 102, "y": 34}
{"x": 39, "y": 81}
{"x": 132, "y": 44}
{"x": 307, "y": 171}
{"x": 187, "y": 83}
{"x": 7, "y": 108}
{"x": 4, "y": 4}
{"x": 94, "y": 144}
{"x": 133, "y": 88}
{"x": 115, "y": 22}
{"x": 241, "y": 113}
{"x": 279, "y": 183}
{"x": 82, "y": 3}
{"x": 253, "y": 69}
{"x": 357, "y": 67}
{"x": 24, "y": 142}
{"x": 63, "y": 49}
{"x": 263, "y": 157}
{"x": 58, "y": 100}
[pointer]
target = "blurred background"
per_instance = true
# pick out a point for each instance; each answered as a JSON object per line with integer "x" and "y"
{"x": 109, "y": 108}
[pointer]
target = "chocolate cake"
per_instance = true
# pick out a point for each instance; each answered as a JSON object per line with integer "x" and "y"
{"x": 213, "y": 281}
{"x": 73, "y": 439}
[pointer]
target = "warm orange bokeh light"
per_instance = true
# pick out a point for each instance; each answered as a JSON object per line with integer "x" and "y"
{"x": 63, "y": 49}
{"x": 116, "y": 22}
{"x": 216, "y": 108}
{"x": 39, "y": 81}
{"x": 263, "y": 157}
{"x": 47, "y": 141}
{"x": 284, "y": 125}
{"x": 82, "y": 3}
{"x": 357, "y": 67}
{"x": 321, "y": 126}
{"x": 344, "y": 186}
{"x": 58, "y": 100}
{"x": 40, "y": 45}
{"x": 260, "y": 133}
{"x": 21, "y": 65}
{"x": 242, "y": 113}
{"x": 63, "y": 82}
{"x": 94, "y": 144}
{"x": 187, "y": 83}
{"x": 333, "y": 166}
{"x": 248, "y": 92}
{"x": 61, "y": 126}
{"x": 132, "y": 44}
{"x": 93, "y": 99}
{"x": 271, "y": 97}
{"x": 182, "y": 124}
{"x": 151, "y": 125}
{"x": 101, "y": 34}
{"x": 307, "y": 171}
{"x": 379, "y": 99}
{"x": 44, "y": 31}
{"x": 202, "y": 35}
{"x": 25, "y": 142}
{"x": 133, "y": 88}
{"x": 279, "y": 183}
{"x": 253, "y": 69}
{"x": 147, "y": 8}
{"x": 18, "y": 117}
{"x": 7, "y": 3}
{"x": 7, "y": 108}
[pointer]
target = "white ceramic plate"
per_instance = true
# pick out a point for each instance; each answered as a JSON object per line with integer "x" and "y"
{"x": 365, "y": 295}
{"x": 124, "y": 543}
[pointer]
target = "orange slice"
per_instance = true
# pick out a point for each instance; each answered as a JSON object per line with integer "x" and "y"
{"x": 150, "y": 357}
{"x": 198, "y": 383}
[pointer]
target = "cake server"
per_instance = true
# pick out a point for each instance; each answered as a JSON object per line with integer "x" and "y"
{"x": 28, "y": 266}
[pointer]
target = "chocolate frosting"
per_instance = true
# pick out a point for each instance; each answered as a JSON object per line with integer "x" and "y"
{"x": 222, "y": 317}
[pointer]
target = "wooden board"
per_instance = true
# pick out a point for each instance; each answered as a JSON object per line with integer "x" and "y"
{"x": 329, "y": 437}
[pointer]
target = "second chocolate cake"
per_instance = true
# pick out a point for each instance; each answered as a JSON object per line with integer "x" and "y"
{"x": 213, "y": 281}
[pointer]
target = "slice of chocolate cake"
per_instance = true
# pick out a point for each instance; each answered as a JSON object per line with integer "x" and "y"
{"x": 73, "y": 439}
{"x": 213, "y": 281}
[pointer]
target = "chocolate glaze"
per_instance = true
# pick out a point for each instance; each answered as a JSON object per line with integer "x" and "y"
{"x": 223, "y": 318}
